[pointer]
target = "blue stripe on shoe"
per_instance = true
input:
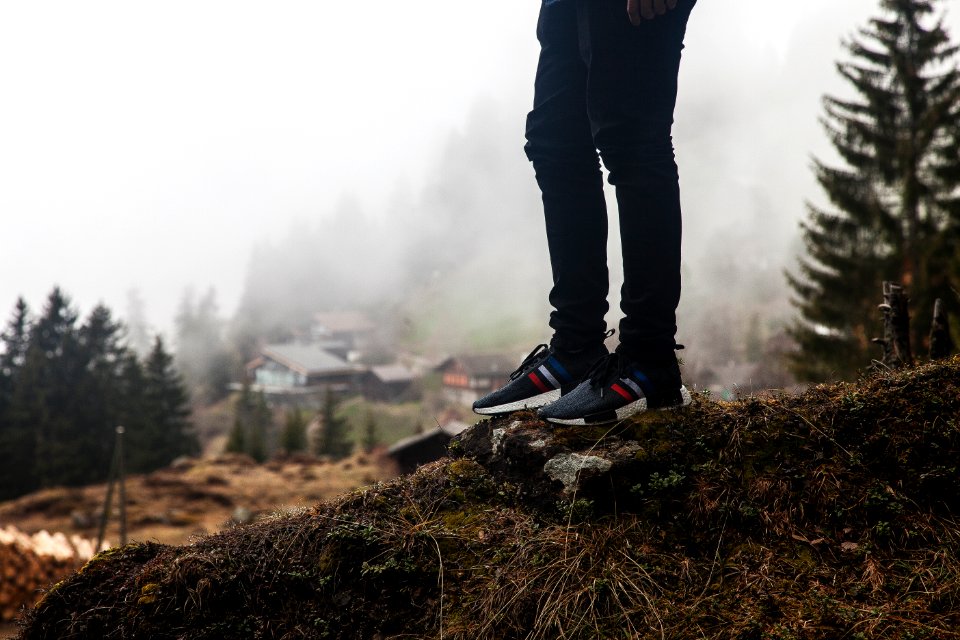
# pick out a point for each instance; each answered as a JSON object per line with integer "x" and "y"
{"x": 644, "y": 382}
{"x": 556, "y": 366}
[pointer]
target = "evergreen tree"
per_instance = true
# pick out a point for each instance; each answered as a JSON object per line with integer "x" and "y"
{"x": 16, "y": 438}
{"x": 165, "y": 432}
{"x": 45, "y": 394}
{"x": 138, "y": 330}
{"x": 260, "y": 422}
{"x": 15, "y": 340}
{"x": 896, "y": 202}
{"x": 13, "y": 349}
{"x": 65, "y": 388}
{"x": 202, "y": 353}
{"x": 370, "y": 438}
{"x": 294, "y": 437}
{"x": 237, "y": 440}
{"x": 96, "y": 398}
{"x": 333, "y": 440}
{"x": 251, "y": 424}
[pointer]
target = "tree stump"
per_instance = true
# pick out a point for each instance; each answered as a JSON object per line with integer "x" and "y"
{"x": 941, "y": 343}
{"x": 896, "y": 327}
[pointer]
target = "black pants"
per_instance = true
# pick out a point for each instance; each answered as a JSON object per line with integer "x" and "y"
{"x": 604, "y": 84}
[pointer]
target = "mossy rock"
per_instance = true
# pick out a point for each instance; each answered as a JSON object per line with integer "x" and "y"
{"x": 827, "y": 515}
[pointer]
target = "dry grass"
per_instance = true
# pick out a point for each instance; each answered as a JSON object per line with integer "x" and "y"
{"x": 831, "y": 515}
{"x": 197, "y": 497}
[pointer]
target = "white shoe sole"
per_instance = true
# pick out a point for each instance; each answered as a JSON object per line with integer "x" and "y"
{"x": 624, "y": 412}
{"x": 534, "y": 402}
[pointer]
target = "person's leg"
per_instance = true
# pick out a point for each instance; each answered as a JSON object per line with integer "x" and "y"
{"x": 631, "y": 89}
{"x": 560, "y": 145}
{"x": 632, "y": 92}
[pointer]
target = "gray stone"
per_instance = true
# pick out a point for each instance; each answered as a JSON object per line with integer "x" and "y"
{"x": 567, "y": 468}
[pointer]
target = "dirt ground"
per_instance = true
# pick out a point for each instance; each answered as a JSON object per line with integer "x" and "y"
{"x": 196, "y": 496}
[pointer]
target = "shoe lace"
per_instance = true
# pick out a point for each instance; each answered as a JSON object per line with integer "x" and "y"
{"x": 605, "y": 370}
{"x": 538, "y": 352}
{"x": 609, "y": 368}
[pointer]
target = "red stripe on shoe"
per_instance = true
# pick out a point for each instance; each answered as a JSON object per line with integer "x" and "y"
{"x": 622, "y": 391}
{"x": 538, "y": 383}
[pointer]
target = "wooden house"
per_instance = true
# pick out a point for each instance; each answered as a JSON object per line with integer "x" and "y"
{"x": 301, "y": 368}
{"x": 469, "y": 377}
{"x": 425, "y": 447}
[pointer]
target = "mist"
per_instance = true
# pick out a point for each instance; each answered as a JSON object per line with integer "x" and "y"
{"x": 303, "y": 157}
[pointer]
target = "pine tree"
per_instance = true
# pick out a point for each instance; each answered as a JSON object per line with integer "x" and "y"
{"x": 896, "y": 202}
{"x": 202, "y": 355}
{"x": 260, "y": 422}
{"x": 138, "y": 331}
{"x": 333, "y": 439}
{"x": 237, "y": 439}
{"x": 16, "y": 438}
{"x": 370, "y": 438}
{"x": 294, "y": 436}
{"x": 252, "y": 422}
{"x": 45, "y": 393}
{"x": 165, "y": 432}
{"x": 96, "y": 398}
{"x": 15, "y": 340}
{"x": 64, "y": 388}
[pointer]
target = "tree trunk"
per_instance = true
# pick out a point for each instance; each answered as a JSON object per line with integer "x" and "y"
{"x": 941, "y": 344}
{"x": 896, "y": 327}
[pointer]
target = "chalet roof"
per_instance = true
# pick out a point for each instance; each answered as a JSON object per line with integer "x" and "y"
{"x": 488, "y": 364}
{"x": 308, "y": 359}
{"x": 393, "y": 373}
{"x": 342, "y": 321}
{"x": 450, "y": 429}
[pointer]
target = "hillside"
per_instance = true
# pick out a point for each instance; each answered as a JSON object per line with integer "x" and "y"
{"x": 196, "y": 496}
{"x": 826, "y": 515}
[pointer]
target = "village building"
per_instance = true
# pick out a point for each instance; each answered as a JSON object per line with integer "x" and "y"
{"x": 425, "y": 447}
{"x": 352, "y": 331}
{"x": 298, "y": 369}
{"x": 467, "y": 378}
{"x": 390, "y": 383}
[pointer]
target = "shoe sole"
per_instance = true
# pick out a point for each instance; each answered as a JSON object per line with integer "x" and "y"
{"x": 533, "y": 402}
{"x": 624, "y": 412}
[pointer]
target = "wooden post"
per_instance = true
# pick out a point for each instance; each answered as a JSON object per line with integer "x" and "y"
{"x": 896, "y": 327}
{"x": 121, "y": 471}
{"x": 117, "y": 473}
{"x": 941, "y": 343}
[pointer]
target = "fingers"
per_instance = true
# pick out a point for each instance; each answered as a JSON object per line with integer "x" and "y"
{"x": 633, "y": 12}
{"x": 638, "y": 10}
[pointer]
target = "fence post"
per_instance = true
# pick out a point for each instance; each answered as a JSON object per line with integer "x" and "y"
{"x": 116, "y": 472}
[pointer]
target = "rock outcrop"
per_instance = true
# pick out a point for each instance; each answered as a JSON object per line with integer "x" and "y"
{"x": 827, "y": 515}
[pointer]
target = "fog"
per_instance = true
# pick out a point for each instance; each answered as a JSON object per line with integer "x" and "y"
{"x": 372, "y": 153}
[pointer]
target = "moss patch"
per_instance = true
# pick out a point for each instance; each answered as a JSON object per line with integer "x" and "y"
{"x": 828, "y": 515}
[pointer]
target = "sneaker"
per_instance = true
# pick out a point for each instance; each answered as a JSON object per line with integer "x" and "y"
{"x": 541, "y": 378}
{"x": 615, "y": 389}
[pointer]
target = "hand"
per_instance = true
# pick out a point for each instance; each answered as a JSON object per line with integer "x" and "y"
{"x": 647, "y": 9}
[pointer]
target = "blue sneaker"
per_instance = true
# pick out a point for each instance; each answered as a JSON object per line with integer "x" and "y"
{"x": 615, "y": 389}
{"x": 543, "y": 377}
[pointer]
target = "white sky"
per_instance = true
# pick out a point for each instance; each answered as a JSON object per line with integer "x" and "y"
{"x": 149, "y": 144}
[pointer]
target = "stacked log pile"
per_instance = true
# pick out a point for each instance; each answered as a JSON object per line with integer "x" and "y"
{"x": 30, "y": 563}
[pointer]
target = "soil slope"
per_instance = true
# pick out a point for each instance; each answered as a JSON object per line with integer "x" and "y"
{"x": 827, "y": 515}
